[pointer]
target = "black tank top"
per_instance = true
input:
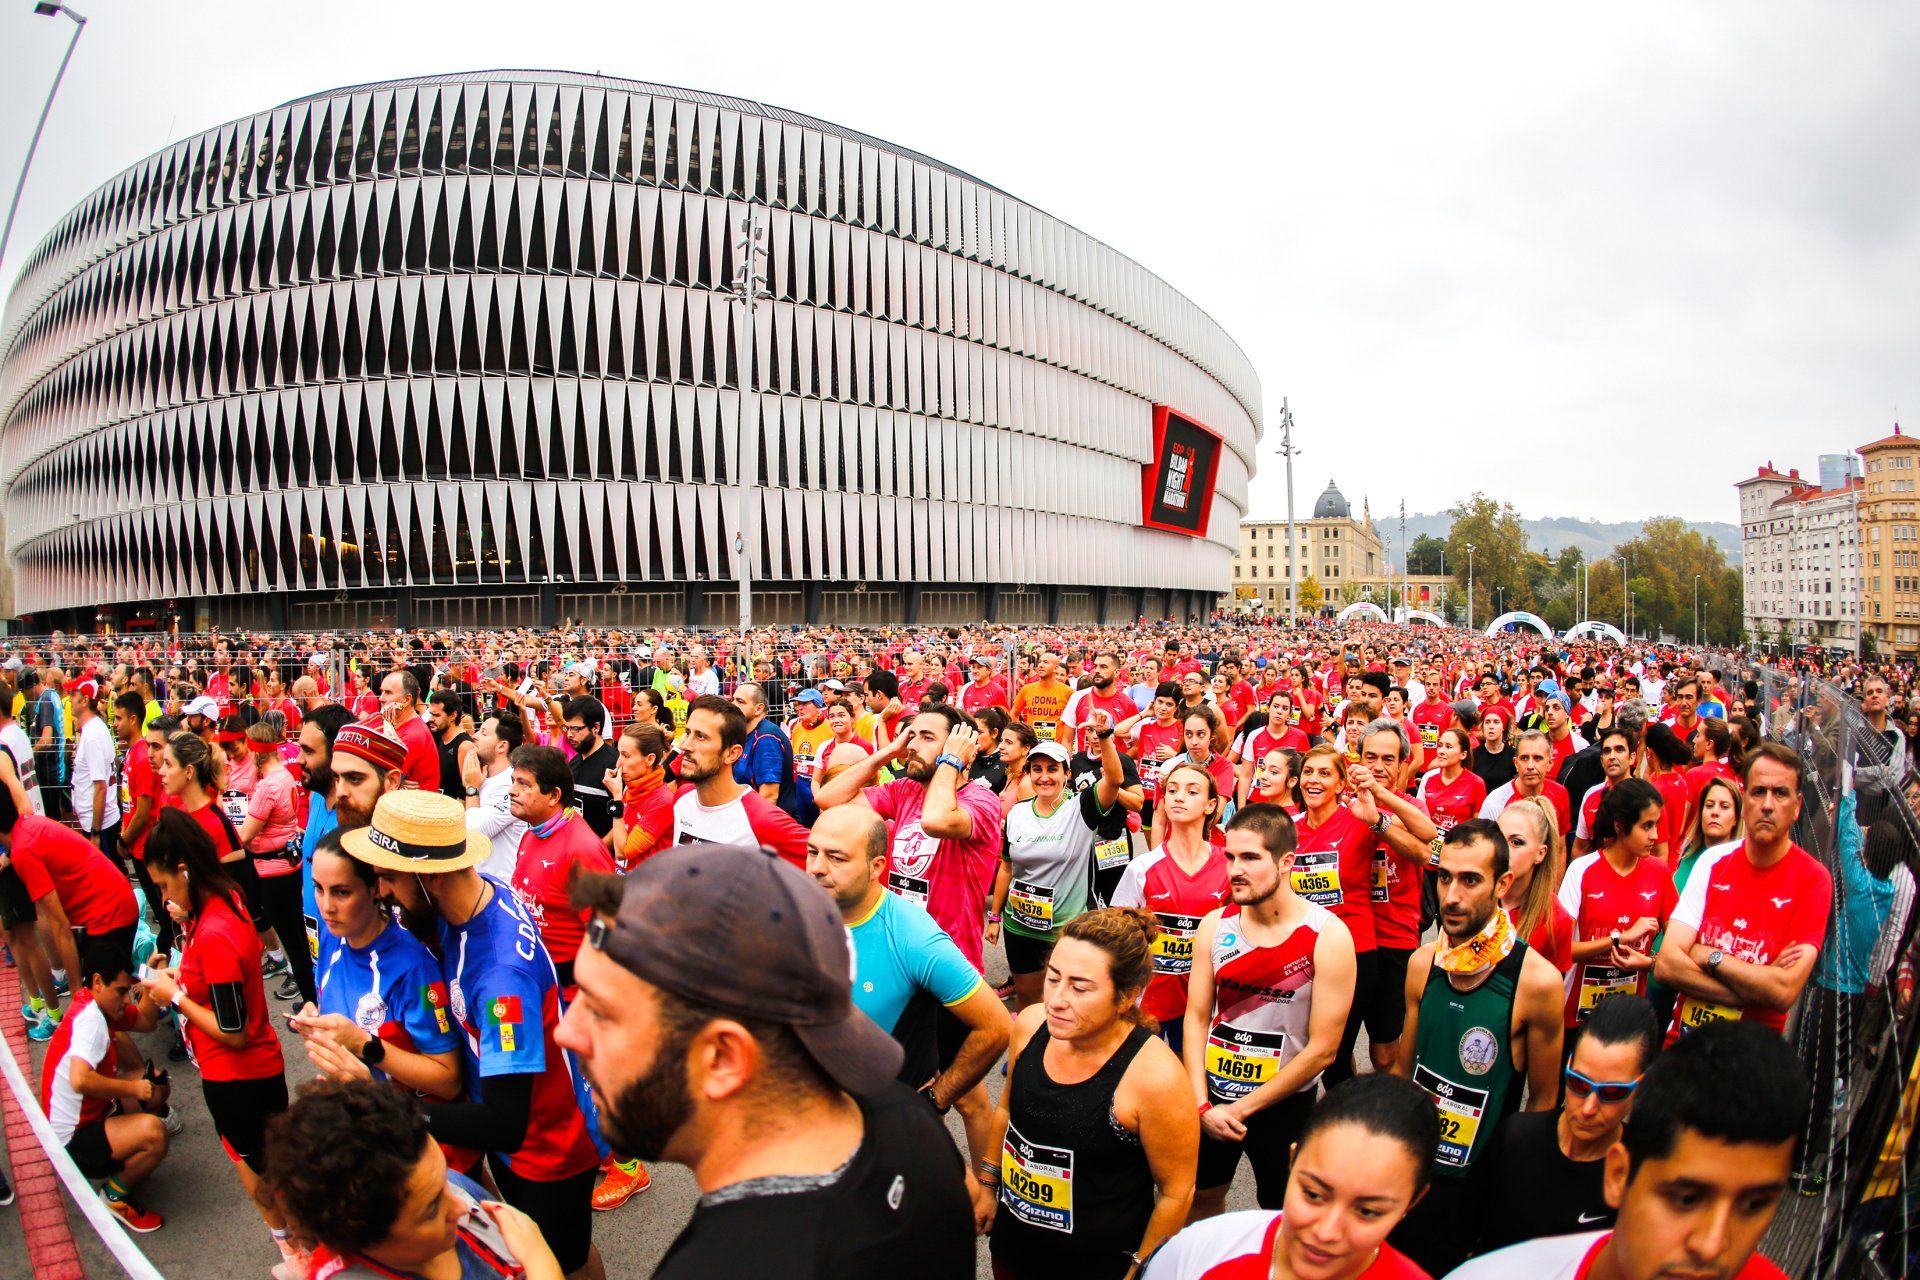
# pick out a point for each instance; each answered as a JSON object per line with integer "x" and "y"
{"x": 450, "y": 783}
{"x": 1075, "y": 1187}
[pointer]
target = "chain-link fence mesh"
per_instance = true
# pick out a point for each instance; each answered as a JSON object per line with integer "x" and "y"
{"x": 1854, "y": 1214}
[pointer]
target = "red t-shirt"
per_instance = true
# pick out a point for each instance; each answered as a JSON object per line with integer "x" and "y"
{"x": 649, "y": 826}
{"x": 219, "y": 829}
{"x": 138, "y": 779}
{"x": 540, "y": 879}
{"x": 1429, "y": 718}
{"x": 1553, "y": 936}
{"x": 1452, "y": 803}
{"x": 221, "y": 947}
{"x": 1333, "y": 868}
{"x": 53, "y": 858}
{"x": 1676, "y": 811}
{"x": 1148, "y": 738}
{"x": 1239, "y": 1246}
{"x": 85, "y": 1035}
{"x": 1116, "y": 704}
{"x": 974, "y": 698}
{"x": 1600, "y": 900}
{"x": 1701, "y": 774}
{"x": 1395, "y": 894}
{"x": 1752, "y": 914}
{"x": 1257, "y": 744}
{"x": 422, "y": 763}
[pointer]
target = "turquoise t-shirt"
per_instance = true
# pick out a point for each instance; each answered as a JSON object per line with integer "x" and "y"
{"x": 899, "y": 951}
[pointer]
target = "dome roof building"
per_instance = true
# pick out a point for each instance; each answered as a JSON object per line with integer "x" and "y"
{"x": 1333, "y": 505}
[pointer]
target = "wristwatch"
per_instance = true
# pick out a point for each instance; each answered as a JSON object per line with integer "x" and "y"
{"x": 1381, "y": 823}
{"x": 473, "y": 791}
{"x": 373, "y": 1051}
{"x": 927, "y": 1093}
{"x": 1714, "y": 957}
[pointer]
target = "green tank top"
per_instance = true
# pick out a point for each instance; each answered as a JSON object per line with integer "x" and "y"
{"x": 1463, "y": 1058}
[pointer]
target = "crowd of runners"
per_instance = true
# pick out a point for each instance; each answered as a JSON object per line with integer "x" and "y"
{"x": 1479, "y": 952}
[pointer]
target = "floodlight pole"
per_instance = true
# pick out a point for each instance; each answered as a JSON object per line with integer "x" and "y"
{"x": 749, "y": 286}
{"x": 47, "y": 9}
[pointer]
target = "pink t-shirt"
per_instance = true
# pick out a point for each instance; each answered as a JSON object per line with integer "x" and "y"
{"x": 273, "y": 804}
{"x": 950, "y": 878}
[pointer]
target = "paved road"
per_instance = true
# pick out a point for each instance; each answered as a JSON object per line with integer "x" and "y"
{"x": 212, "y": 1233}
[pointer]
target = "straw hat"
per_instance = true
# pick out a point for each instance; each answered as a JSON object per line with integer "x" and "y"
{"x": 419, "y": 831}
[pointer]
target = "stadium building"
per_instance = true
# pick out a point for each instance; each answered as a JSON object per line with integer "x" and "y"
{"x": 466, "y": 351}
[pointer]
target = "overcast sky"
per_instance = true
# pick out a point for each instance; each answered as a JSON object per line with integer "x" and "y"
{"x": 1595, "y": 262}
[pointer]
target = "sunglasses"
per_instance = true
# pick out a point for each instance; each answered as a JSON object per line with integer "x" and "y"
{"x": 1579, "y": 1086}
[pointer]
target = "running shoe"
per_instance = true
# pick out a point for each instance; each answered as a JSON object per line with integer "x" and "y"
{"x": 59, "y": 982}
{"x": 288, "y": 990}
{"x": 6, "y": 1191}
{"x": 131, "y": 1214}
{"x": 177, "y": 1051}
{"x": 273, "y": 966}
{"x": 41, "y": 1029}
{"x": 620, "y": 1184}
{"x": 174, "y": 1124}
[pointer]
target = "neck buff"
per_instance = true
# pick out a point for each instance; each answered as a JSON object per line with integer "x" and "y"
{"x": 646, "y": 782}
{"x": 553, "y": 824}
{"x": 1482, "y": 951}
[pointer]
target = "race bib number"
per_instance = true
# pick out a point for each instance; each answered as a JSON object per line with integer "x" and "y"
{"x": 1036, "y": 1183}
{"x": 234, "y": 805}
{"x": 1173, "y": 945}
{"x": 1108, "y": 854}
{"x": 1047, "y": 728}
{"x": 1695, "y": 1013}
{"x": 1382, "y": 876}
{"x": 1030, "y": 906}
{"x": 1238, "y": 1062}
{"x": 1429, "y": 736}
{"x": 803, "y": 766}
{"x": 912, "y": 888}
{"x": 313, "y": 937}
{"x": 1601, "y": 982}
{"x": 1316, "y": 877}
{"x": 1461, "y": 1111}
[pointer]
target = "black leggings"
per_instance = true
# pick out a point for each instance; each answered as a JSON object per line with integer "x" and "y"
{"x": 1365, "y": 968}
{"x": 279, "y": 901}
{"x": 563, "y": 1210}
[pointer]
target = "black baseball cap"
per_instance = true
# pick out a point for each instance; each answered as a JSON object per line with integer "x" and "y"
{"x": 741, "y": 930}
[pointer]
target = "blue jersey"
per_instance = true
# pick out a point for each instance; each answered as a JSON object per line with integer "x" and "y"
{"x": 320, "y": 939}
{"x": 898, "y": 951}
{"x": 392, "y": 989}
{"x": 507, "y": 1001}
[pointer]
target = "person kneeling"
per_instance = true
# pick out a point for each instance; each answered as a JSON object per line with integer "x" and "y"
{"x": 84, "y": 1075}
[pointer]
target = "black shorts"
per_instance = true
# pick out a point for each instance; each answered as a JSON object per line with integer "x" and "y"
{"x": 240, "y": 1111}
{"x": 1024, "y": 954}
{"x": 16, "y": 908}
{"x": 949, "y": 1033}
{"x": 1386, "y": 1011}
{"x": 92, "y": 1152}
{"x": 1268, "y": 1146}
{"x": 562, "y": 1210}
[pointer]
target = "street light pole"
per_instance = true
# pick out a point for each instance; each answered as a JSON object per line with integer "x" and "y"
{"x": 749, "y": 285}
{"x": 1469, "y": 586}
{"x": 1287, "y": 451}
{"x": 1624, "y": 624}
{"x": 47, "y": 9}
{"x": 1696, "y": 611}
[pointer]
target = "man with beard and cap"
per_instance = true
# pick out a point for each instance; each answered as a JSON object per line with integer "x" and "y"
{"x": 717, "y": 1028}
{"x": 525, "y": 1104}
{"x": 1484, "y": 1021}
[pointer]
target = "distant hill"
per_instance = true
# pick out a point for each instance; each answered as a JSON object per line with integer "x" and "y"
{"x": 1593, "y": 537}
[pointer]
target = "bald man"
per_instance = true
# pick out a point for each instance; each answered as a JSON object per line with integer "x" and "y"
{"x": 905, "y": 969}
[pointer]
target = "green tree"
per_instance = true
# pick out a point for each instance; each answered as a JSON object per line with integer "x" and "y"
{"x": 1426, "y": 554}
{"x": 1661, "y": 566}
{"x": 1499, "y": 556}
{"x": 1311, "y": 596}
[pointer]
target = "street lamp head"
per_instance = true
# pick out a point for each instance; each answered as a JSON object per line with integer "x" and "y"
{"x": 46, "y": 9}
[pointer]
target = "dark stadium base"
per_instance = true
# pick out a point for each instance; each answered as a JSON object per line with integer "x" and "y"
{"x": 638, "y": 605}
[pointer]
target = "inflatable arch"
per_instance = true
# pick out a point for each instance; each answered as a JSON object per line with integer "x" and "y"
{"x": 1593, "y": 626}
{"x": 1419, "y": 615}
{"x": 1367, "y": 607}
{"x": 1519, "y": 618}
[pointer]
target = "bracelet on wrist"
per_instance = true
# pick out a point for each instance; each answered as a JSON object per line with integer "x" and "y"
{"x": 949, "y": 758}
{"x": 1206, "y": 1106}
{"x": 993, "y": 917}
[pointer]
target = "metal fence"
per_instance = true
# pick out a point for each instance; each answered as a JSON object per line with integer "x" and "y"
{"x": 1857, "y": 1043}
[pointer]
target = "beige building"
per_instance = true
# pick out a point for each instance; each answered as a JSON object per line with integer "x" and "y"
{"x": 1331, "y": 546}
{"x": 1890, "y": 544}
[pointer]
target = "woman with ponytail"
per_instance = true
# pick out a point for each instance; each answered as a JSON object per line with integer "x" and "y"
{"x": 1619, "y": 896}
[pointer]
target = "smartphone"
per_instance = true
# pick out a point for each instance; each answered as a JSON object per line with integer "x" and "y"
{"x": 148, "y": 973}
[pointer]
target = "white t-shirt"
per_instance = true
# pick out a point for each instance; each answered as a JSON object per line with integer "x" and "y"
{"x": 91, "y": 1042}
{"x": 20, "y": 747}
{"x": 703, "y": 684}
{"x": 493, "y": 816}
{"x": 93, "y": 762}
